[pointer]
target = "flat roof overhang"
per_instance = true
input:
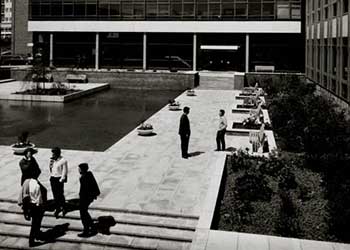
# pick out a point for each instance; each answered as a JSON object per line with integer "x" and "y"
{"x": 167, "y": 26}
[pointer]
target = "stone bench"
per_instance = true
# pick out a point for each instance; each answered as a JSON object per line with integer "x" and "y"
{"x": 79, "y": 78}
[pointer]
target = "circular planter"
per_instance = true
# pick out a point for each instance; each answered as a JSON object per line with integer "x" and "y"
{"x": 174, "y": 107}
{"x": 145, "y": 131}
{"x": 190, "y": 93}
{"x": 20, "y": 150}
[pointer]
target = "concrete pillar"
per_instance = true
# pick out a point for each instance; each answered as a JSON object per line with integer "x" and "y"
{"x": 144, "y": 53}
{"x": 194, "y": 52}
{"x": 97, "y": 51}
{"x": 247, "y": 53}
{"x": 51, "y": 50}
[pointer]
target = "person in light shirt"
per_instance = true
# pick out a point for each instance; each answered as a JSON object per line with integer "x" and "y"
{"x": 58, "y": 171}
{"x": 32, "y": 198}
{"x": 220, "y": 135}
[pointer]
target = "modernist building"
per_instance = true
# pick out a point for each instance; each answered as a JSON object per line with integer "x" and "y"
{"x": 239, "y": 35}
{"x": 6, "y": 19}
{"x": 327, "y": 45}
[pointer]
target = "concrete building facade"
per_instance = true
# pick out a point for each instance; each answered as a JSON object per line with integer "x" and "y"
{"x": 327, "y": 45}
{"x": 232, "y": 35}
{"x": 6, "y": 19}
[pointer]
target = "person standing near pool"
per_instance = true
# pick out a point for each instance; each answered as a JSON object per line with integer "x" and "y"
{"x": 29, "y": 165}
{"x": 185, "y": 132}
{"x": 59, "y": 172}
{"x": 220, "y": 134}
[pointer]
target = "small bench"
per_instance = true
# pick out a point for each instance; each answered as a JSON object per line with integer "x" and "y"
{"x": 76, "y": 78}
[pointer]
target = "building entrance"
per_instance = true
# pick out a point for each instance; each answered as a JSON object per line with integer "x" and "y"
{"x": 221, "y": 57}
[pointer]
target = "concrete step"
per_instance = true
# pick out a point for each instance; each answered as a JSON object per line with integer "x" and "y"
{"x": 20, "y": 233}
{"x": 132, "y": 231}
{"x": 123, "y": 217}
{"x": 119, "y": 229}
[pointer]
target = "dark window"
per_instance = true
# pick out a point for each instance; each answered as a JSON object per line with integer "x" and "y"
{"x": 79, "y": 8}
{"x": 344, "y": 91}
{"x": 268, "y": 9}
{"x": 241, "y": 9}
{"x": 345, "y": 6}
{"x": 176, "y": 8}
{"x": 188, "y": 9}
{"x": 103, "y": 8}
{"x": 114, "y": 9}
{"x": 68, "y": 8}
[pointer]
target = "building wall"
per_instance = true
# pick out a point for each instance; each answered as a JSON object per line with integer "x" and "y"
{"x": 21, "y": 37}
{"x": 123, "y": 79}
{"x": 6, "y": 18}
{"x": 327, "y": 45}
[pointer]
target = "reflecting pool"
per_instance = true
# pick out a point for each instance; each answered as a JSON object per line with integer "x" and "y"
{"x": 92, "y": 123}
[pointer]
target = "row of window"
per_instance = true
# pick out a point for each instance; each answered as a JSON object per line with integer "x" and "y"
{"x": 141, "y": 9}
{"x": 7, "y": 30}
{"x": 324, "y": 10}
{"x": 328, "y": 58}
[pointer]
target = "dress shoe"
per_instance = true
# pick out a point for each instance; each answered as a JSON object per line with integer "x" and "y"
{"x": 84, "y": 234}
{"x": 56, "y": 213}
{"x": 34, "y": 243}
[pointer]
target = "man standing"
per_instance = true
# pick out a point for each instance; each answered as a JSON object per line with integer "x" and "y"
{"x": 28, "y": 165}
{"x": 220, "y": 135}
{"x": 32, "y": 197}
{"x": 185, "y": 132}
{"x": 59, "y": 171}
{"x": 89, "y": 191}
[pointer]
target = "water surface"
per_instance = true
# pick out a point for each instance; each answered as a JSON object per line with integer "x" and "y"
{"x": 92, "y": 123}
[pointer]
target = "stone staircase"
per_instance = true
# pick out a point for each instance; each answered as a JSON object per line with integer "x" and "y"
{"x": 134, "y": 230}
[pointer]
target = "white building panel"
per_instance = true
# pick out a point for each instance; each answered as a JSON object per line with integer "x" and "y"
{"x": 167, "y": 26}
{"x": 345, "y": 26}
{"x": 325, "y": 29}
{"x": 334, "y": 28}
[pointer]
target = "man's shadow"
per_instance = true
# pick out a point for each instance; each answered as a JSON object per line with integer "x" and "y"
{"x": 52, "y": 234}
{"x": 102, "y": 223}
{"x": 196, "y": 153}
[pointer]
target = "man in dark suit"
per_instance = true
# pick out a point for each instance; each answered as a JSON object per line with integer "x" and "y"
{"x": 185, "y": 132}
{"x": 89, "y": 191}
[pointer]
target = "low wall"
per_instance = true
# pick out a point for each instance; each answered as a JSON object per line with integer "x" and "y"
{"x": 123, "y": 79}
{"x": 330, "y": 96}
{"x": 265, "y": 78}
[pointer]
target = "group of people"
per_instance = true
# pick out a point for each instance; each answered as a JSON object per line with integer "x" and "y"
{"x": 185, "y": 132}
{"x": 33, "y": 195}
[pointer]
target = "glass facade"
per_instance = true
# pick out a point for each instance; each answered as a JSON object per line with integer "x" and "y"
{"x": 165, "y": 10}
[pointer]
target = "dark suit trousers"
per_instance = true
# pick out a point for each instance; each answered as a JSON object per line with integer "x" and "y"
{"x": 58, "y": 192}
{"x": 36, "y": 214}
{"x": 184, "y": 145}
{"x": 85, "y": 217}
{"x": 220, "y": 139}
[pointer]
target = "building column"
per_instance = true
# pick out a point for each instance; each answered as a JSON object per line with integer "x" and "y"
{"x": 194, "y": 52}
{"x": 144, "y": 53}
{"x": 97, "y": 51}
{"x": 247, "y": 53}
{"x": 51, "y": 50}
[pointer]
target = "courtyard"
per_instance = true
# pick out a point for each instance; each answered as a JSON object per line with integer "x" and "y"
{"x": 159, "y": 200}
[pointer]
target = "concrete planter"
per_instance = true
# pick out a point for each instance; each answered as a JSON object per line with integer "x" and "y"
{"x": 174, "y": 107}
{"x": 144, "y": 131}
{"x": 20, "y": 150}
